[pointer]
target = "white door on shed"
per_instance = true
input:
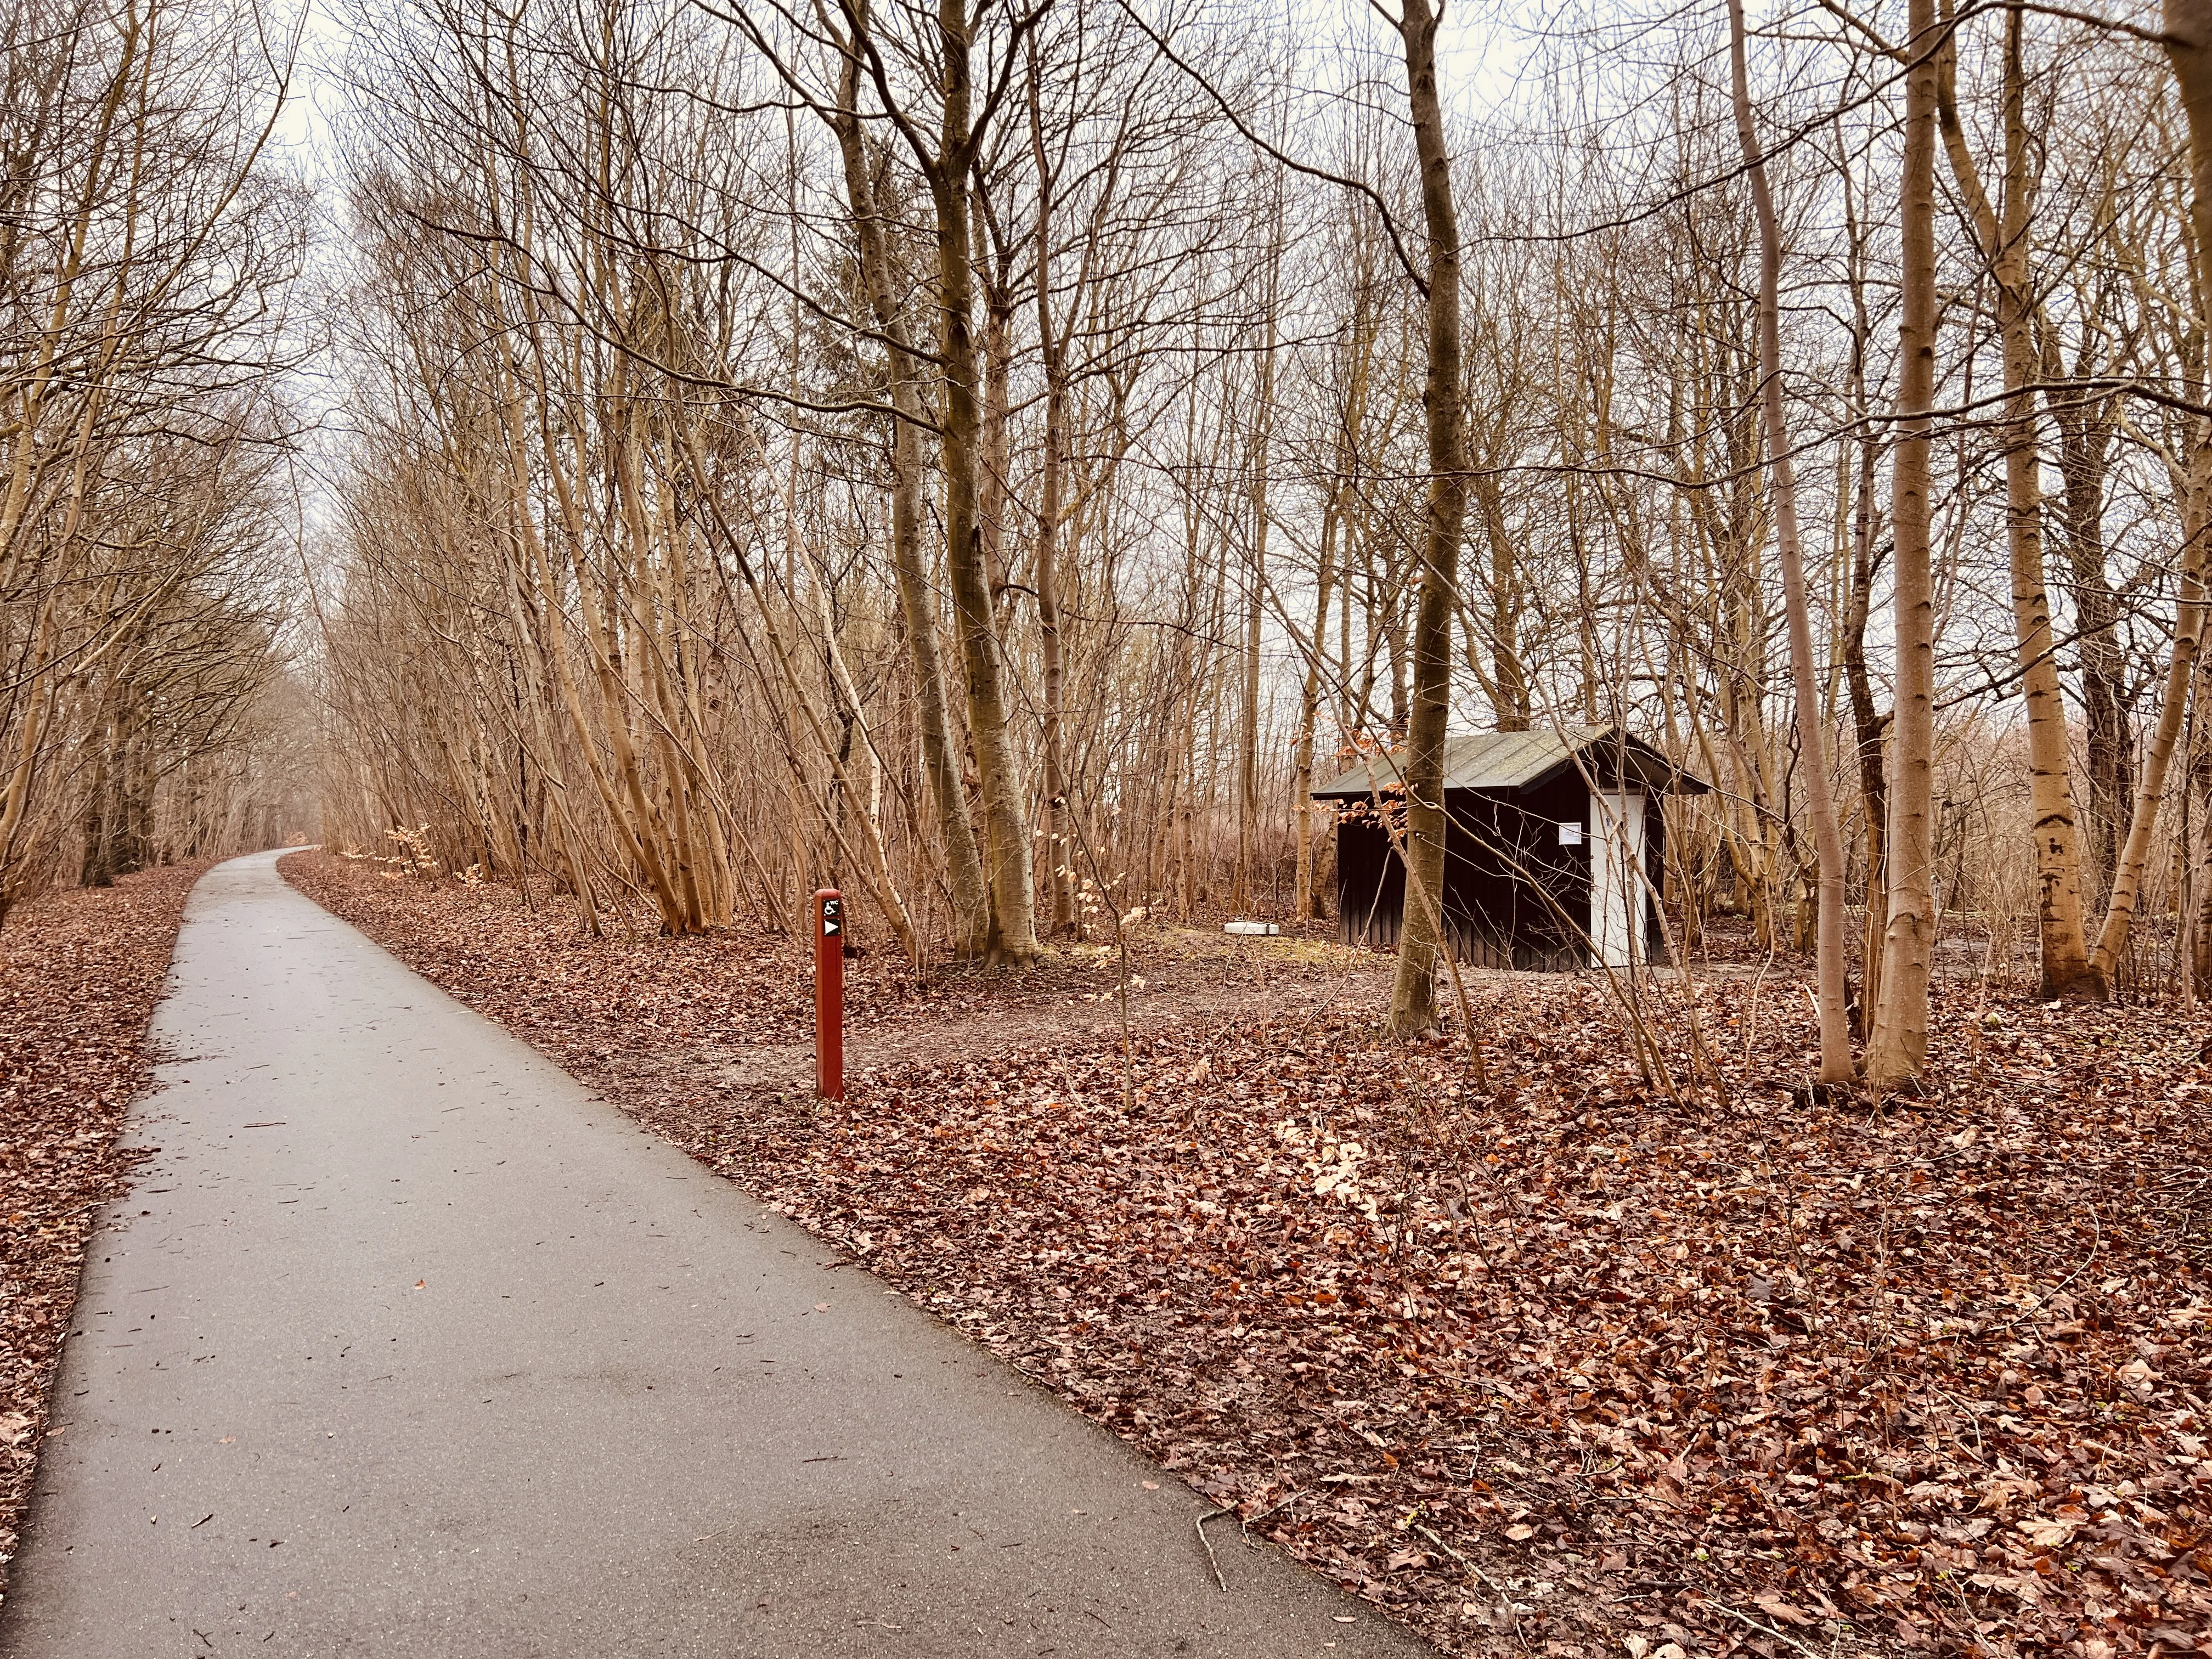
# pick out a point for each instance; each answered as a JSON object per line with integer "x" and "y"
{"x": 1616, "y": 877}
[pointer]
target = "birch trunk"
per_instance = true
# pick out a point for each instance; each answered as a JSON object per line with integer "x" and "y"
{"x": 1836, "y": 1066}
{"x": 1899, "y": 1047}
{"x": 2189, "y": 49}
{"x": 1060, "y": 843}
{"x": 2067, "y": 970}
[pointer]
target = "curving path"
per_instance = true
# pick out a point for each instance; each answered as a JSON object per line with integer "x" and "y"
{"x": 403, "y": 1344}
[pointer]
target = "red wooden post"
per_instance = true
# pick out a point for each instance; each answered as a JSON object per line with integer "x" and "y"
{"x": 829, "y": 994}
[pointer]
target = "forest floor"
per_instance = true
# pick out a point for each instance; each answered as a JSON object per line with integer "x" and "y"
{"x": 1635, "y": 1345}
{"x": 80, "y": 972}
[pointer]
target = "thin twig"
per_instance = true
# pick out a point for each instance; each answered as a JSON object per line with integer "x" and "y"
{"x": 1199, "y": 1526}
{"x": 1504, "y": 1599}
{"x": 1246, "y": 1522}
{"x": 1784, "y": 1636}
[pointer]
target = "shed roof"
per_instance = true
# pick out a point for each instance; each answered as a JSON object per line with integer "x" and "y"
{"x": 1501, "y": 761}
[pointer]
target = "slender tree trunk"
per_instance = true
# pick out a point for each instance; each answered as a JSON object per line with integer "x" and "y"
{"x": 530, "y": 625}
{"x": 137, "y": 848}
{"x": 2196, "y": 923}
{"x": 1247, "y": 747}
{"x": 995, "y": 457}
{"x": 2188, "y": 624}
{"x": 1060, "y": 837}
{"x": 1834, "y": 1001}
{"x": 1899, "y": 1047}
{"x": 100, "y": 812}
{"x": 1511, "y": 707}
{"x": 1059, "y": 843}
{"x": 1306, "y": 903}
{"x": 2004, "y": 232}
{"x": 2189, "y": 49}
{"x": 15, "y": 804}
{"x": 1412, "y": 995}
{"x": 1867, "y": 721}
{"x": 1867, "y": 726}
{"x": 971, "y": 910}
{"x": 1340, "y": 516}
{"x": 2087, "y": 428}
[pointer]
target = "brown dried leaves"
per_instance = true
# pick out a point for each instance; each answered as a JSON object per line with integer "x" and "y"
{"x": 1570, "y": 1363}
{"x": 80, "y": 973}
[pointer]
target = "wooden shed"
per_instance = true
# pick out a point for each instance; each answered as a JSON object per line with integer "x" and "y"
{"x": 1550, "y": 836}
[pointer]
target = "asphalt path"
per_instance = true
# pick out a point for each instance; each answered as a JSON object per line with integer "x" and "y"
{"x": 405, "y": 1345}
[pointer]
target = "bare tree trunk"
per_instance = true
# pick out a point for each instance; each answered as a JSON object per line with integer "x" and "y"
{"x": 2087, "y": 427}
{"x": 994, "y": 267}
{"x": 1867, "y": 726}
{"x": 1059, "y": 825}
{"x": 1836, "y": 1066}
{"x": 1052, "y": 344}
{"x": 1248, "y": 751}
{"x": 1508, "y": 698}
{"x": 15, "y": 804}
{"x": 1899, "y": 1047}
{"x": 2194, "y": 926}
{"x": 1867, "y": 723}
{"x": 2189, "y": 624}
{"x": 1305, "y": 902}
{"x": 102, "y": 806}
{"x": 1412, "y": 995}
{"x": 971, "y": 914}
{"x": 2189, "y": 49}
{"x": 2066, "y": 968}
{"x": 1012, "y": 890}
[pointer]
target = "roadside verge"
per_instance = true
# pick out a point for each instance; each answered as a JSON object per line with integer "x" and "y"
{"x": 80, "y": 973}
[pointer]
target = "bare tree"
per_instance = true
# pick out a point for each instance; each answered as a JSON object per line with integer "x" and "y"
{"x": 1836, "y": 1062}
{"x": 1412, "y": 996}
{"x": 1897, "y": 1046}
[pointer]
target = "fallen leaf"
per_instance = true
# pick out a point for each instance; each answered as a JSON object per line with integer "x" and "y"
{"x": 1785, "y": 1611}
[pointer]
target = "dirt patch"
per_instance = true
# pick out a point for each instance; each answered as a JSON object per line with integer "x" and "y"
{"x": 80, "y": 973}
{"x": 1639, "y": 1345}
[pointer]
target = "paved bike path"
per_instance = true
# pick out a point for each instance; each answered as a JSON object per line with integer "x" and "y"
{"x": 405, "y": 1345}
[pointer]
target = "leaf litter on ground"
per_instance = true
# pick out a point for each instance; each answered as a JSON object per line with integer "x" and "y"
{"x": 80, "y": 973}
{"x": 1614, "y": 1355}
